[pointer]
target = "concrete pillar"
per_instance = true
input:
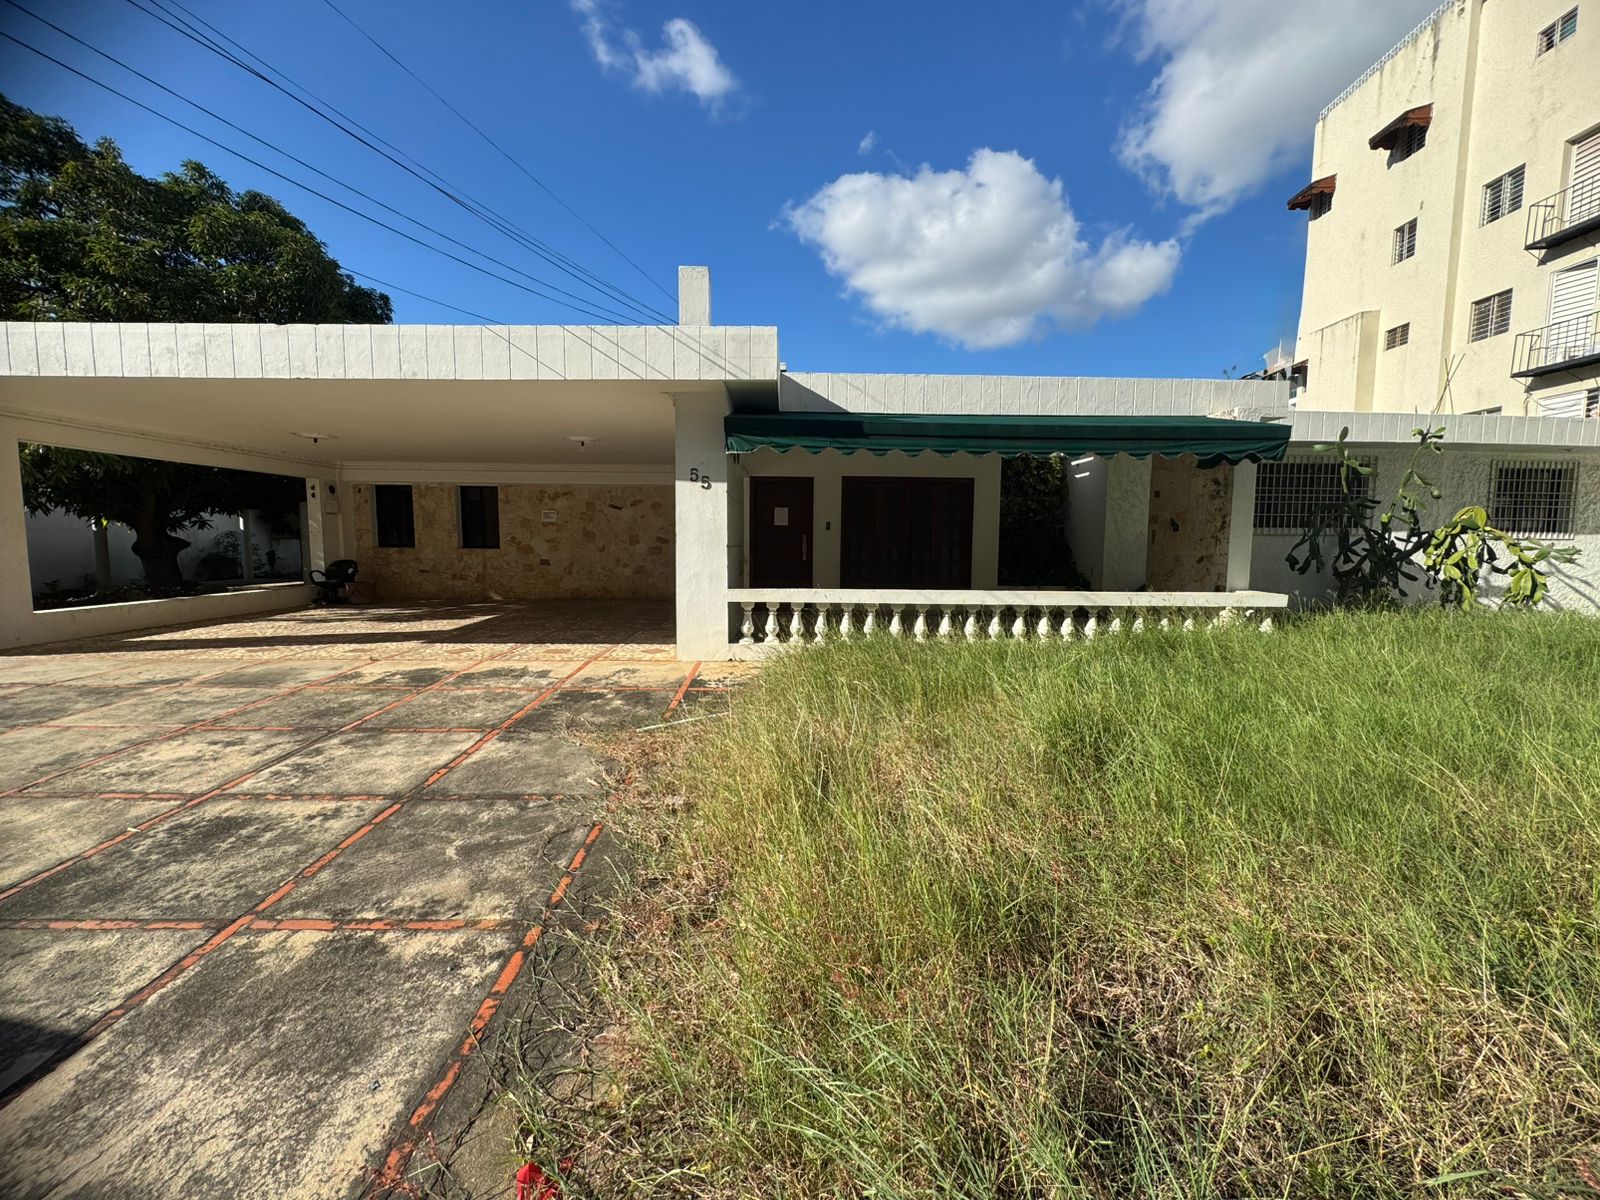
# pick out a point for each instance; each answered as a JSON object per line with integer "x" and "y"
{"x": 314, "y": 529}
{"x": 694, "y": 295}
{"x": 701, "y": 515}
{"x": 1127, "y": 540}
{"x": 1241, "y": 526}
{"x": 16, "y": 584}
{"x": 247, "y": 550}
{"x": 102, "y": 557}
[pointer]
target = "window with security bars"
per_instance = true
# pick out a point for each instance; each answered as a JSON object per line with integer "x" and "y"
{"x": 1558, "y": 31}
{"x": 1396, "y": 337}
{"x": 1405, "y": 241}
{"x": 1411, "y": 139}
{"x": 1292, "y": 493}
{"x": 1503, "y": 195}
{"x": 1321, "y": 204}
{"x": 1533, "y": 499}
{"x": 1490, "y": 316}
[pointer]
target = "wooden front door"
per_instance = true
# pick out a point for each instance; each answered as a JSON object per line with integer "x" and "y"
{"x": 906, "y": 533}
{"x": 780, "y": 532}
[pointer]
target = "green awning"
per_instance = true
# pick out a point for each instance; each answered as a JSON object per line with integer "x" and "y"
{"x": 1210, "y": 439}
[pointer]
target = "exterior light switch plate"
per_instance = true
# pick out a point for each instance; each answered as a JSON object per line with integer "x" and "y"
{"x": 548, "y": 516}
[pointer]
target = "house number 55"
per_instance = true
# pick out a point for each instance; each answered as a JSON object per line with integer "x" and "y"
{"x": 695, "y": 476}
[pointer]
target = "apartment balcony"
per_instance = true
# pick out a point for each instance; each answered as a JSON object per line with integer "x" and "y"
{"x": 1565, "y": 346}
{"x": 1570, "y": 213}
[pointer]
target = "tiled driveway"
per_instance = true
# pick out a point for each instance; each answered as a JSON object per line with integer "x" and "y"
{"x": 264, "y": 885}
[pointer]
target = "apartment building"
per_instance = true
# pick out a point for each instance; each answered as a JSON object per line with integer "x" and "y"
{"x": 1454, "y": 220}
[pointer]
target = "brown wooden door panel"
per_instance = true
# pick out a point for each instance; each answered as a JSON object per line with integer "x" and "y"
{"x": 906, "y": 533}
{"x": 781, "y": 541}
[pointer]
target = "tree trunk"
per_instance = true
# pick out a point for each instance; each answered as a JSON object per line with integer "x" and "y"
{"x": 157, "y": 549}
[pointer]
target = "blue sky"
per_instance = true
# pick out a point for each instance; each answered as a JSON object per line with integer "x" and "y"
{"x": 1079, "y": 188}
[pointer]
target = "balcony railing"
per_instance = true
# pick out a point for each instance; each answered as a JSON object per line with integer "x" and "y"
{"x": 1565, "y": 346}
{"x": 1570, "y": 213}
{"x": 769, "y": 618}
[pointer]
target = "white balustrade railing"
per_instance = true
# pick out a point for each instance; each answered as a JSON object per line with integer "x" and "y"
{"x": 793, "y": 617}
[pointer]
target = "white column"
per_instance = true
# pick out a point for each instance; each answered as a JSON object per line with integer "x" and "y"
{"x": 314, "y": 530}
{"x": 1241, "y": 526}
{"x": 16, "y": 583}
{"x": 247, "y": 550}
{"x": 1127, "y": 540}
{"x": 701, "y": 516}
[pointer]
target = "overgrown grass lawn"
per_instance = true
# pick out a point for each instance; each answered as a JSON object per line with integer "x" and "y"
{"x": 1180, "y": 915}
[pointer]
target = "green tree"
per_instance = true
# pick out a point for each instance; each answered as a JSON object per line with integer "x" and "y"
{"x": 84, "y": 237}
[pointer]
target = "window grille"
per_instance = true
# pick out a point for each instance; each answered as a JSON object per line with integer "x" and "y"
{"x": 1533, "y": 499}
{"x": 1321, "y": 204}
{"x": 1411, "y": 139}
{"x": 1490, "y": 316}
{"x": 1557, "y": 32}
{"x": 1405, "y": 241}
{"x": 1289, "y": 494}
{"x": 1502, "y": 196}
{"x": 1400, "y": 335}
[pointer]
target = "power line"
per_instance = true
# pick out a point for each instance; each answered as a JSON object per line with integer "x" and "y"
{"x": 625, "y": 319}
{"x": 504, "y": 153}
{"x": 297, "y": 183}
{"x": 349, "y": 126}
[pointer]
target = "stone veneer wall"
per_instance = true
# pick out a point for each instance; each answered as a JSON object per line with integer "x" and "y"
{"x": 606, "y": 543}
{"x": 1190, "y": 512}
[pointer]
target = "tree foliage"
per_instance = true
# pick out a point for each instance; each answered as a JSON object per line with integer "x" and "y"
{"x": 1373, "y": 553}
{"x": 84, "y": 237}
{"x": 1034, "y": 551}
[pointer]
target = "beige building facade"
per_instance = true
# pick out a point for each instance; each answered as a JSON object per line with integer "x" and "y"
{"x": 1454, "y": 220}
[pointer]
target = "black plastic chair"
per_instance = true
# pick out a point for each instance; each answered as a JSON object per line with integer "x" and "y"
{"x": 331, "y": 584}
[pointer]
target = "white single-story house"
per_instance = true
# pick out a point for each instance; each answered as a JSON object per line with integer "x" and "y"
{"x": 686, "y": 463}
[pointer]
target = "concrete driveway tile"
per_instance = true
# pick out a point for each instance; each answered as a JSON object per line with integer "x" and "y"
{"x": 597, "y": 710}
{"x": 188, "y": 762}
{"x": 27, "y": 754}
{"x": 472, "y": 860}
{"x": 524, "y": 763}
{"x": 361, "y": 763}
{"x": 276, "y": 676}
{"x": 54, "y": 985}
{"x": 397, "y": 673}
{"x": 168, "y": 709}
{"x": 455, "y": 710}
{"x": 277, "y": 1067}
{"x": 534, "y": 676}
{"x": 36, "y": 833}
{"x": 314, "y": 709}
{"x": 47, "y": 702}
{"x": 210, "y": 863}
{"x": 46, "y": 668}
{"x": 608, "y": 674}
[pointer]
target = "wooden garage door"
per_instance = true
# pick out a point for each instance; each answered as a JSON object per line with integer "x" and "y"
{"x": 906, "y": 533}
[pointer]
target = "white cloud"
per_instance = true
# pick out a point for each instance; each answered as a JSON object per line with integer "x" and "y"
{"x": 987, "y": 256}
{"x": 1241, "y": 84}
{"x": 868, "y": 142}
{"x": 686, "y": 61}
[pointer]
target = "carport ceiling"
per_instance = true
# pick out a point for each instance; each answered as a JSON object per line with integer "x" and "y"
{"x": 373, "y": 421}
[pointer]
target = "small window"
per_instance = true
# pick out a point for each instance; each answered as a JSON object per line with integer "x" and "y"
{"x": 1291, "y": 493}
{"x": 1409, "y": 140}
{"x": 1502, "y": 196}
{"x": 1557, "y": 32}
{"x": 1398, "y": 336}
{"x": 1491, "y": 316}
{"x": 1533, "y": 499}
{"x": 480, "y": 518}
{"x": 392, "y": 514}
{"x": 1321, "y": 204}
{"x": 1405, "y": 241}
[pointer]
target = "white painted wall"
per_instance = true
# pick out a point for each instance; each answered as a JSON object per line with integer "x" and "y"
{"x": 702, "y": 513}
{"x": 1464, "y": 478}
{"x": 828, "y": 470}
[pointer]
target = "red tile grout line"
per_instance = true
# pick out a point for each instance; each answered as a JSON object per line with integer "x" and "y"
{"x": 392, "y": 1173}
{"x": 158, "y": 818}
{"x": 224, "y": 934}
{"x": 678, "y": 699}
